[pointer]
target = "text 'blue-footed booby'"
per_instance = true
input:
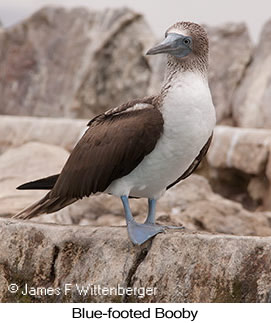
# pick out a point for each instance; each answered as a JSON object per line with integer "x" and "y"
{"x": 143, "y": 147}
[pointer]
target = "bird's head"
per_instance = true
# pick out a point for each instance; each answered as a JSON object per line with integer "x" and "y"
{"x": 183, "y": 39}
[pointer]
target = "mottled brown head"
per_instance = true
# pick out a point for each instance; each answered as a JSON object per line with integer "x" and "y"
{"x": 197, "y": 34}
{"x": 187, "y": 44}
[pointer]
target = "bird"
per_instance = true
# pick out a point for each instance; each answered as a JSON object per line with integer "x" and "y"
{"x": 144, "y": 147}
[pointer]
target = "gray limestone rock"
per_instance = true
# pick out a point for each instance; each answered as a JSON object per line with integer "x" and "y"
{"x": 230, "y": 53}
{"x": 239, "y": 159}
{"x": 243, "y": 149}
{"x": 18, "y": 130}
{"x": 176, "y": 267}
{"x": 22, "y": 164}
{"x": 74, "y": 62}
{"x": 251, "y": 104}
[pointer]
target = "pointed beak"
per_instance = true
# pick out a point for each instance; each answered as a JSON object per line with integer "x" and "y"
{"x": 161, "y": 48}
{"x": 172, "y": 44}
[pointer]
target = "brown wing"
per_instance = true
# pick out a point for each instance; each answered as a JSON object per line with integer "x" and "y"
{"x": 195, "y": 163}
{"x": 114, "y": 144}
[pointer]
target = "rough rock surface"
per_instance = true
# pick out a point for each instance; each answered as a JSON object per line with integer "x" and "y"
{"x": 226, "y": 71}
{"x": 28, "y": 162}
{"x": 251, "y": 105}
{"x": 158, "y": 66}
{"x": 268, "y": 167}
{"x": 268, "y": 174}
{"x": 16, "y": 131}
{"x": 240, "y": 165}
{"x": 62, "y": 62}
{"x": 100, "y": 62}
{"x": 181, "y": 266}
{"x": 243, "y": 149}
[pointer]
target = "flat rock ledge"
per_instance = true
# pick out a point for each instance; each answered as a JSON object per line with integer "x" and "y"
{"x": 182, "y": 266}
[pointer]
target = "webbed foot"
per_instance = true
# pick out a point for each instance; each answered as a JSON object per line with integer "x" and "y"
{"x": 139, "y": 233}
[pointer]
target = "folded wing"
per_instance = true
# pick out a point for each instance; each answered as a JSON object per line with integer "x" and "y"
{"x": 113, "y": 145}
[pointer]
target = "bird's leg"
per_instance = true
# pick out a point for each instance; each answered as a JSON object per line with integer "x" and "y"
{"x": 151, "y": 211}
{"x": 128, "y": 214}
{"x": 139, "y": 233}
{"x": 151, "y": 216}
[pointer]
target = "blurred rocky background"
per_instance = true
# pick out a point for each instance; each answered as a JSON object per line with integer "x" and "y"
{"x": 58, "y": 69}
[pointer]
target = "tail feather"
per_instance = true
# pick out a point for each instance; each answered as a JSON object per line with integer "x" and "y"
{"x": 45, "y": 205}
{"x": 46, "y": 183}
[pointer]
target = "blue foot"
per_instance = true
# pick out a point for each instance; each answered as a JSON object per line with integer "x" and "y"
{"x": 139, "y": 233}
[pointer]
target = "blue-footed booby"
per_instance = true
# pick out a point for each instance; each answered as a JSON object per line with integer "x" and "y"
{"x": 143, "y": 147}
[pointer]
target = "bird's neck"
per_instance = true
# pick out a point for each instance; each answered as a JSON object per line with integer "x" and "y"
{"x": 176, "y": 69}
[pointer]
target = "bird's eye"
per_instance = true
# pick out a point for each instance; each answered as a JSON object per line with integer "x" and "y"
{"x": 187, "y": 41}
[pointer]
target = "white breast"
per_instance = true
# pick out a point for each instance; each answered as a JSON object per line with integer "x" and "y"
{"x": 189, "y": 119}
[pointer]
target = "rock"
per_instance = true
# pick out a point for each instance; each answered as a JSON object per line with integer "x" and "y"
{"x": 178, "y": 266}
{"x": 243, "y": 149}
{"x": 15, "y": 131}
{"x": 256, "y": 188}
{"x": 28, "y": 162}
{"x": 268, "y": 167}
{"x": 230, "y": 53}
{"x": 259, "y": 190}
{"x": 120, "y": 70}
{"x": 206, "y": 268}
{"x": 268, "y": 175}
{"x": 238, "y": 158}
{"x": 193, "y": 204}
{"x": 251, "y": 104}
{"x": 158, "y": 66}
{"x": 47, "y": 71}
{"x": 57, "y": 253}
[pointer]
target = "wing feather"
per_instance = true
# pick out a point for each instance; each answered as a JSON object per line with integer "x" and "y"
{"x": 112, "y": 147}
